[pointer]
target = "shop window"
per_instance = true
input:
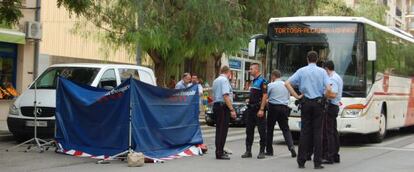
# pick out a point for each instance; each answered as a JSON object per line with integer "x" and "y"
{"x": 8, "y": 56}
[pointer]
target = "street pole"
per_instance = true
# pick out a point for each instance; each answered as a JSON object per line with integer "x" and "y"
{"x": 138, "y": 56}
{"x": 36, "y": 43}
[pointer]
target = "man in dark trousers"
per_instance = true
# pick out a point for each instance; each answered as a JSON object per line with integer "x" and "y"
{"x": 222, "y": 109}
{"x": 331, "y": 137}
{"x": 256, "y": 112}
{"x": 312, "y": 82}
{"x": 279, "y": 111}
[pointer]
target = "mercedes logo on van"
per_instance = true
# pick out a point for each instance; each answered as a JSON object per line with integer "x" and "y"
{"x": 38, "y": 111}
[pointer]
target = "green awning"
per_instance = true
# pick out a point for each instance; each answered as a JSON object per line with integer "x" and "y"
{"x": 12, "y": 36}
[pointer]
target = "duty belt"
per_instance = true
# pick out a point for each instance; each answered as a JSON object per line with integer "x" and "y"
{"x": 270, "y": 104}
{"x": 320, "y": 100}
{"x": 220, "y": 103}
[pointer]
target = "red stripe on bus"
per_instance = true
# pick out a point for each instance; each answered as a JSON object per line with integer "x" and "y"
{"x": 409, "y": 120}
{"x": 390, "y": 94}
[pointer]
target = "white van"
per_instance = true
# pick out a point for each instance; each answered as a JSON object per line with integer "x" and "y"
{"x": 107, "y": 76}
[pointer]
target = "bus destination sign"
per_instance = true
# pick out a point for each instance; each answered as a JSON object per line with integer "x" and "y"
{"x": 309, "y": 31}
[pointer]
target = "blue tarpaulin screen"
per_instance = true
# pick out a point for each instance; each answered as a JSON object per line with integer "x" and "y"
{"x": 96, "y": 121}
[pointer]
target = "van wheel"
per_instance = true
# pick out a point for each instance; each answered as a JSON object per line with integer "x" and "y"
{"x": 380, "y": 135}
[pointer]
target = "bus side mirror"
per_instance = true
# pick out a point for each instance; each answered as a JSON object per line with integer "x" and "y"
{"x": 371, "y": 50}
{"x": 252, "y": 48}
{"x": 253, "y": 43}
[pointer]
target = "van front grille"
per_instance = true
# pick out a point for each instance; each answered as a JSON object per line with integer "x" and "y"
{"x": 41, "y": 111}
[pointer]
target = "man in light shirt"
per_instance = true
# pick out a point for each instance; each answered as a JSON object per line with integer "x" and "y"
{"x": 185, "y": 82}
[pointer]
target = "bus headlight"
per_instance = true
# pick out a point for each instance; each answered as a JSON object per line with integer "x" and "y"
{"x": 243, "y": 108}
{"x": 13, "y": 110}
{"x": 351, "y": 113}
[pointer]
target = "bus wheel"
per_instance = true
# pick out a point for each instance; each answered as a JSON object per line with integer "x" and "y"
{"x": 379, "y": 136}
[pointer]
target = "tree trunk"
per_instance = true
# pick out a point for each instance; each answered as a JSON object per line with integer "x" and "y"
{"x": 311, "y": 7}
{"x": 160, "y": 74}
{"x": 217, "y": 63}
{"x": 160, "y": 68}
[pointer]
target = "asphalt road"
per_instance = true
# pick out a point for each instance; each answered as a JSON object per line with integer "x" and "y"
{"x": 395, "y": 154}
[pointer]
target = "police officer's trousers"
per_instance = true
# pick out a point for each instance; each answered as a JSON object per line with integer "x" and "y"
{"x": 331, "y": 142}
{"x": 311, "y": 131}
{"x": 251, "y": 123}
{"x": 222, "y": 114}
{"x": 279, "y": 114}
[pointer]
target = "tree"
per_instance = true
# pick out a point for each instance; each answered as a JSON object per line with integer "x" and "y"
{"x": 10, "y": 12}
{"x": 169, "y": 31}
{"x": 333, "y": 8}
{"x": 177, "y": 30}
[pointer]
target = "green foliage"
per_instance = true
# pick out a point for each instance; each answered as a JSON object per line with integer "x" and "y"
{"x": 372, "y": 10}
{"x": 258, "y": 14}
{"x": 171, "y": 30}
{"x": 333, "y": 8}
{"x": 393, "y": 54}
{"x": 10, "y": 12}
{"x": 175, "y": 30}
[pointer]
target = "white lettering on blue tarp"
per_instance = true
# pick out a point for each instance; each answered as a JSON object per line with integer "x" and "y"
{"x": 120, "y": 90}
{"x": 185, "y": 93}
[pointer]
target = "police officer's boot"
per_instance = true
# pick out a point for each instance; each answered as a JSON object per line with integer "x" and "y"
{"x": 261, "y": 153}
{"x": 248, "y": 153}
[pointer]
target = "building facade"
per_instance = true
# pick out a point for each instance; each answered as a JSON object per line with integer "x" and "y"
{"x": 400, "y": 13}
{"x": 57, "y": 44}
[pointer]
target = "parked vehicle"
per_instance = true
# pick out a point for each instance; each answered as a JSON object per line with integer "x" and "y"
{"x": 240, "y": 106}
{"x": 20, "y": 119}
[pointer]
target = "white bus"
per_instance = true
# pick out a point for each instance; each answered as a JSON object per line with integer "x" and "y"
{"x": 375, "y": 62}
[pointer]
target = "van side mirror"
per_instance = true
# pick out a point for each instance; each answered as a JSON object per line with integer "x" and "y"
{"x": 371, "y": 50}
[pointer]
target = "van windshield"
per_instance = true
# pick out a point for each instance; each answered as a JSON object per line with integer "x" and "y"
{"x": 81, "y": 75}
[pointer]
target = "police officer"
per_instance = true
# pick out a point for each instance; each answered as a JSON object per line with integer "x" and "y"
{"x": 278, "y": 111}
{"x": 312, "y": 82}
{"x": 185, "y": 81}
{"x": 222, "y": 109}
{"x": 331, "y": 136}
{"x": 256, "y": 112}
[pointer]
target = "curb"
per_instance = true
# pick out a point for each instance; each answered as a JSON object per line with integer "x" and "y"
{"x": 202, "y": 121}
{"x": 6, "y": 136}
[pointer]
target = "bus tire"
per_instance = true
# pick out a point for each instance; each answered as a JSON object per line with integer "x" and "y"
{"x": 379, "y": 136}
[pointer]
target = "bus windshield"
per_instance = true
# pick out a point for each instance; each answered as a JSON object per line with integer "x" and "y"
{"x": 80, "y": 75}
{"x": 340, "y": 42}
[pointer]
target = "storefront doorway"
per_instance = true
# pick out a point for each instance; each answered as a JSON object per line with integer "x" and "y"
{"x": 8, "y": 66}
{"x": 239, "y": 67}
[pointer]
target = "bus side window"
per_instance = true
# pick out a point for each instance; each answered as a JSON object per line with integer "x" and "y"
{"x": 108, "y": 80}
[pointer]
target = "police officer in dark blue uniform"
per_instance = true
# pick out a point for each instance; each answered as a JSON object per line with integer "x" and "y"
{"x": 222, "y": 109}
{"x": 312, "y": 82}
{"x": 256, "y": 112}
